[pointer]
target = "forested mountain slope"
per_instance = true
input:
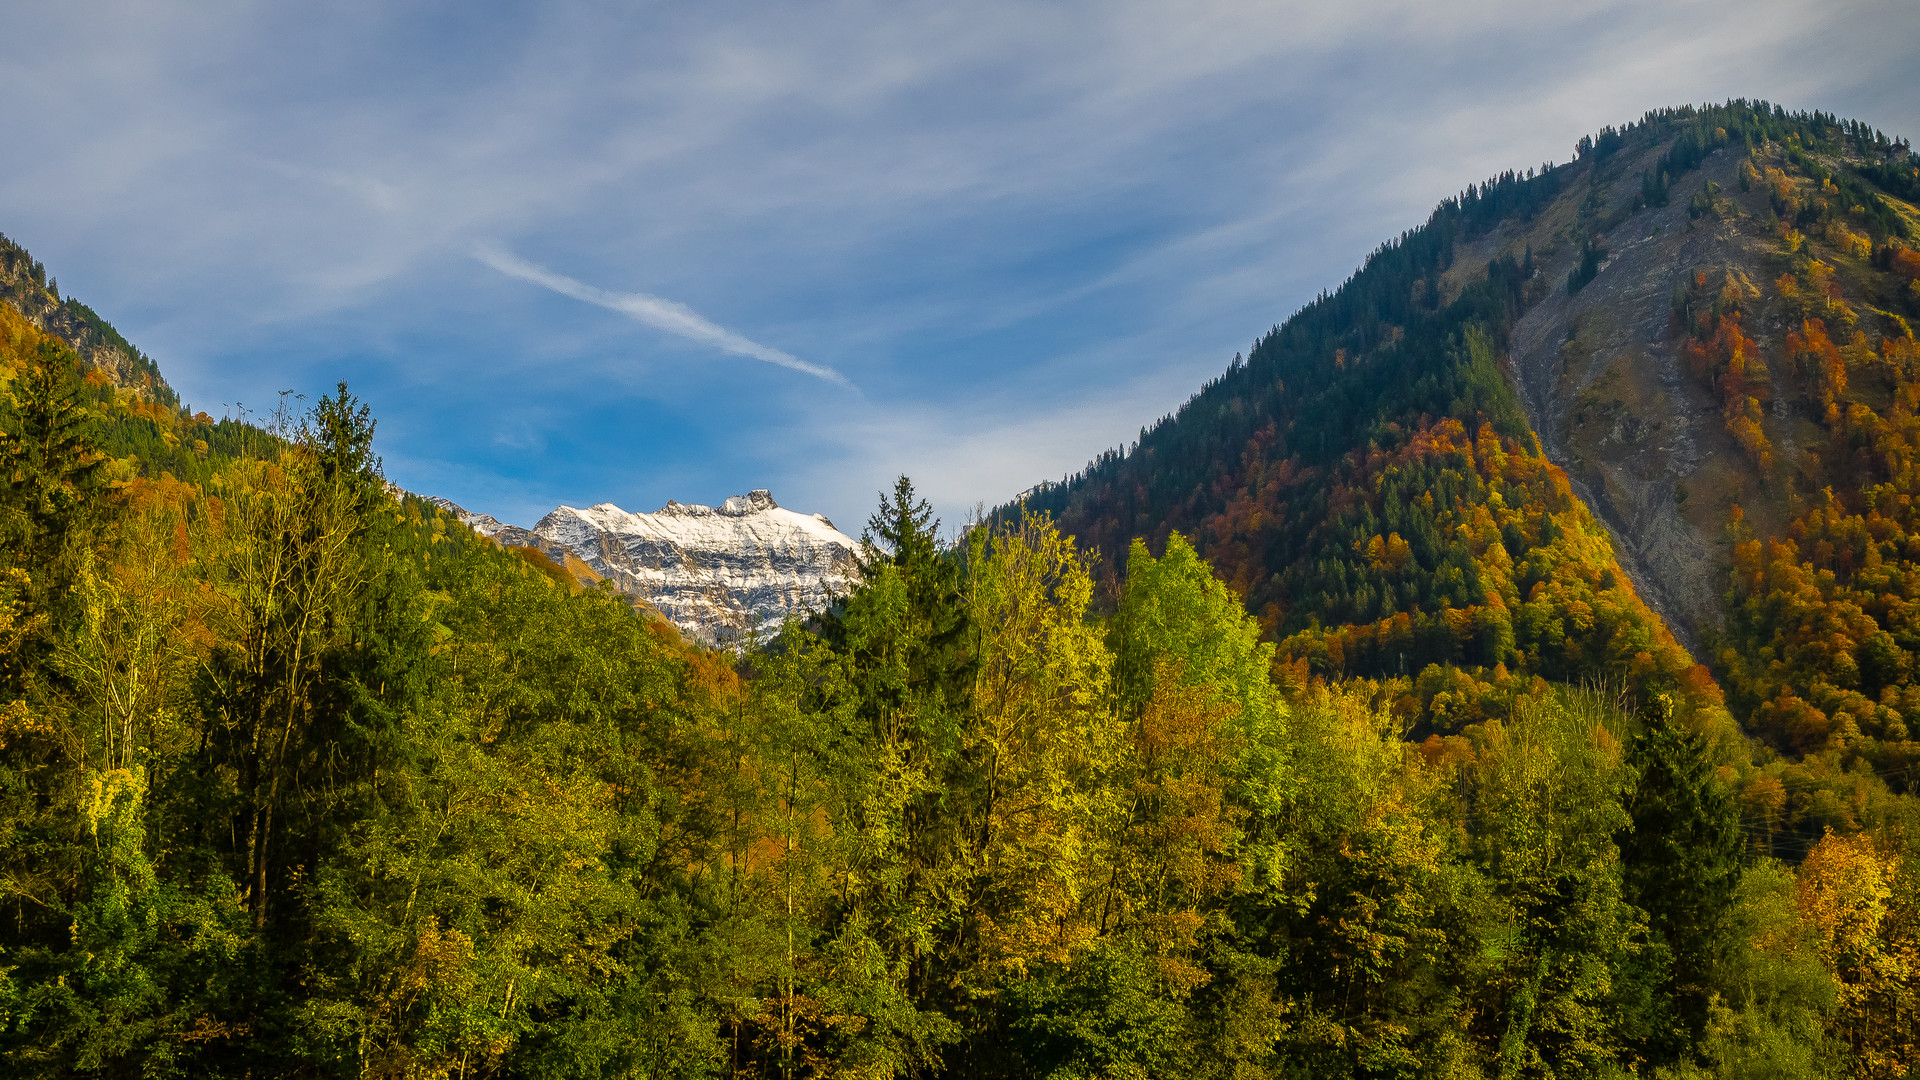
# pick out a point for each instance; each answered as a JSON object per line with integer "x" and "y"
{"x": 25, "y": 285}
{"x": 1699, "y": 325}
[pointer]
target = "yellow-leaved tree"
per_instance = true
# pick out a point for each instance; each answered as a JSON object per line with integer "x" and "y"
{"x": 1861, "y": 907}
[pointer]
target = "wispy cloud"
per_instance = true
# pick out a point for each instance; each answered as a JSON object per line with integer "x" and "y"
{"x": 1036, "y": 226}
{"x": 657, "y": 312}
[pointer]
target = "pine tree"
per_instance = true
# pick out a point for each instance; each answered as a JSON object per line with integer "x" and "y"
{"x": 342, "y": 436}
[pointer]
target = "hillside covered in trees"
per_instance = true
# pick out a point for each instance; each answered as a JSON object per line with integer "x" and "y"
{"x": 1675, "y": 369}
{"x": 26, "y": 286}
{"x": 298, "y": 778}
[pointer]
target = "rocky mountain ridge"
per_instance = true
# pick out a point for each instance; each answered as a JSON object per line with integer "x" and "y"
{"x": 720, "y": 573}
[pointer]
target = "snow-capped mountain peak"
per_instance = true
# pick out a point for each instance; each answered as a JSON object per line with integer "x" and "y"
{"x": 720, "y": 573}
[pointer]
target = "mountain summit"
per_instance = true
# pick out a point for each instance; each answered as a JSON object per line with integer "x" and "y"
{"x": 717, "y": 572}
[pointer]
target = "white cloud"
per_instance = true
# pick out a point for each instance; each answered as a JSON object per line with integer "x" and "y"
{"x": 657, "y": 312}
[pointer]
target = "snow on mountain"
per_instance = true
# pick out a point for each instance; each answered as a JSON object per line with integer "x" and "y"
{"x": 719, "y": 573}
{"x": 485, "y": 524}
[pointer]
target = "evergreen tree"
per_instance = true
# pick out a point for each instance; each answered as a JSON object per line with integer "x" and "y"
{"x": 50, "y": 475}
{"x": 342, "y": 437}
{"x": 1682, "y": 866}
{"x": 928, "y": 641}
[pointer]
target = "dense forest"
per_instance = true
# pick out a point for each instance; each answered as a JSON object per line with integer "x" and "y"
{"x": 300, "y": 777}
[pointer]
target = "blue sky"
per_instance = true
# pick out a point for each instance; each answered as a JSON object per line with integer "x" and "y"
{"x": 586, "y": 252}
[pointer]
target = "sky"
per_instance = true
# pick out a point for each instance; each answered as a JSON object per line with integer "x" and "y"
{"x": 595, "y": 252}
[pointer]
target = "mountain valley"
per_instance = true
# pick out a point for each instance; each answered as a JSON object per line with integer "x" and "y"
{"x": 1509, "y": 667}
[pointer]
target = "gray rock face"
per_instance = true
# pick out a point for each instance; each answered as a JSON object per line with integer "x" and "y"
{"x": 1603, "y": 382}
{"x": 1603, "y": 378}
{"x": 719, "y": 573}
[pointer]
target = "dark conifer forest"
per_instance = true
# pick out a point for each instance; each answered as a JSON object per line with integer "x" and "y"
{"x": 1321, "y": 733}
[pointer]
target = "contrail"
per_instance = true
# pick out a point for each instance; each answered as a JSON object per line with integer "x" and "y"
{"x": 657, "y": 312}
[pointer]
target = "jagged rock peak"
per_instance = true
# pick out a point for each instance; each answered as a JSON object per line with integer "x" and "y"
{"x": 753, "y": 502}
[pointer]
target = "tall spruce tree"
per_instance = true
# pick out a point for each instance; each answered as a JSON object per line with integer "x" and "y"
{"x": 50, "y": 471}
{"x": 902, "y": 538}
{"x": 1682, "y": 866}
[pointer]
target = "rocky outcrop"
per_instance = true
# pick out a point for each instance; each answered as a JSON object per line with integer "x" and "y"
{"x": 1601, "y": 375}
